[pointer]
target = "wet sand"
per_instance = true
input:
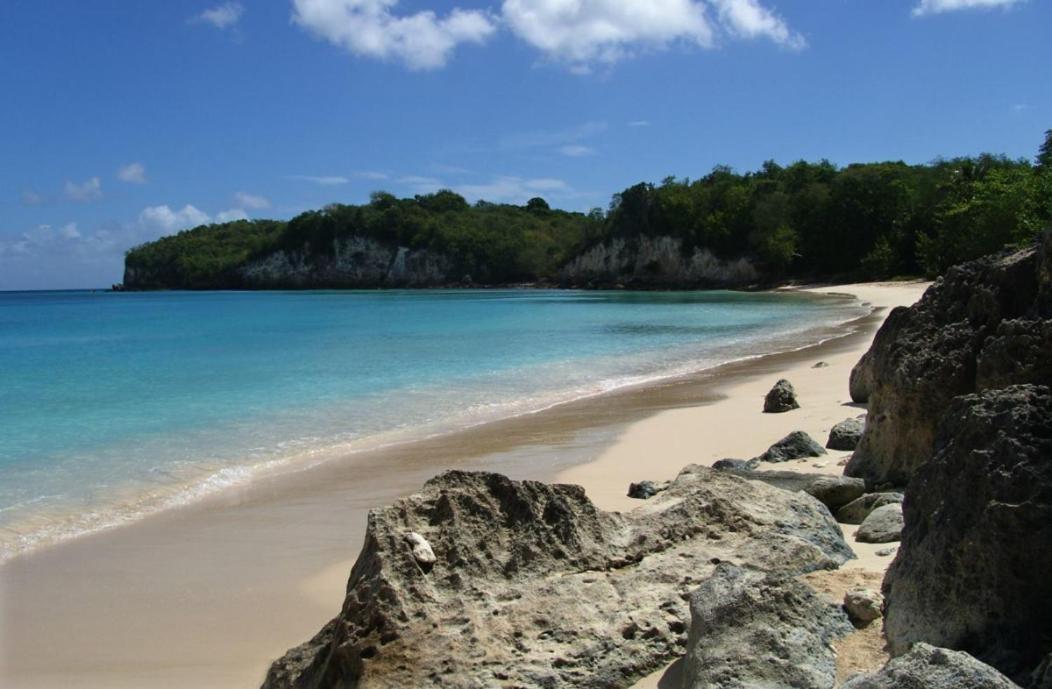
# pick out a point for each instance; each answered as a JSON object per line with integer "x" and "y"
{"x": 208, "y": 594}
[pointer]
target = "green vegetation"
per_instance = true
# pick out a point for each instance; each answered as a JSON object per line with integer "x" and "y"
{"x": 807, "y": 220}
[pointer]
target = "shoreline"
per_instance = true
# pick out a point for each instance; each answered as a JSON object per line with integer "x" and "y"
{"x": 239, "y": 577}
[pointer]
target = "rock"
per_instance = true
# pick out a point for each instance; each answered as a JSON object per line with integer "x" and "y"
{"x": 863, "y": 605}
{"x": 860, "y": 384}
{"x": 421, "y": 549}
{"x": 644, "y": 490}
{"x": 821, "y": 364}
{"x": 856, "y": 511}
{"x": 781, "y": 398}
{"x": 796, "y": 445}
{"x": 984, "y": 324}
{"x": 883, "y": 525}
{"x": 885, "y": 552}
{"x": 836, "y": 491}
{"x": 752, "y": 630}
{"x": 927, "y": 667}
{"x": 846, "y": 434}
{"x": 735, "y": 464}
{"x": 533, "y": 586}
{"x": 972, "y": 572}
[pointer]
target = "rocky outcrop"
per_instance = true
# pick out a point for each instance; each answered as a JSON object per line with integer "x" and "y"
{"x": 972, "y": 569}
{"x": 882, "y": 525}
{"x": 644, "y": 490}
{"x": 927, "y": 667}
{"x": 533, "y": 586}
{"x": 749, "y": 629}
{"x": 985, "y": 324}
{"x": 354, "y": 262}
{"x": 832, "y": 491}
{"x": 846, "y": 434}
{"x": 781, "y": 398}
{"x": 796, "y": 445}
{"x": 646, "y": 261}
{"x": 856, "y": 511}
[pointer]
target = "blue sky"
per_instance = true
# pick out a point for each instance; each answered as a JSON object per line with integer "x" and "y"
{"x": 124, "y": 121}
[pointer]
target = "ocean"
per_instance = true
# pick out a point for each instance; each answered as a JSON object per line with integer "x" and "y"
{"x": 116, "y": 405}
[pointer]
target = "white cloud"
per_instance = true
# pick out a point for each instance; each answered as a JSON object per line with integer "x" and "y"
{"x": 369, "y": 174}
{"x": 133, "y": 173}
{"x": 421, "y": 184}
{"x": 89, "y": 190}
{"x": 231, "y": 215}
{"x": 576, "y": 151}
{"x": 69, "y": 231}
{"x": 749, "y": 19}
{"x": 325, "y": 181}
{"x": 509, "y": 189}
{"x": 556, "y": 137}
{"x": 251, "y": 201}
{"x": 927, "y": 7}
{"x": 165, "y": 220}
{"x": 222, "y": 16}
{"x": 369, "y": 28}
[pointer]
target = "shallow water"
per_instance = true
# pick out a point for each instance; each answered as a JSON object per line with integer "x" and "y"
{"x": 113, "y": 405}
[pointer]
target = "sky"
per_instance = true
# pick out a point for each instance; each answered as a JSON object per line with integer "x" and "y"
{"x": 125, "y": 121}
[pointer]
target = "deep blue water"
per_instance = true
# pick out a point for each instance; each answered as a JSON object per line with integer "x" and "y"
{"x": 115, "y": 404}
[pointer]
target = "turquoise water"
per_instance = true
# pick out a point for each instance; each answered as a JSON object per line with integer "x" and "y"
{"x": 113, "y": 405}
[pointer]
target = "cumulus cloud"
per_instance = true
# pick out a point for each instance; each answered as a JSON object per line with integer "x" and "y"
{"x": 576, "y": 151}
{"x": 164, "y": 219}
{"x": 749, "y": 19}
{"x": 222, "y": 16}
{"x": 231, "y": 215}
{"x": 251, "y": 201}
{"x": 325, "y": 181}
{"x": 89, "y": 190}
{"x": 927, "y": 7}
{"x": 371, "y": 28}
{"x": 133, "y": 173}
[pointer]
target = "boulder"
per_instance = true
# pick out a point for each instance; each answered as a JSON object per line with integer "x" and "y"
{"x": 856, "y": 511}
{"x": 836, "y": 491}
{"x": 796, "y": 445}
{"x": 883, "y": 525}
{"x": 860, "y": 384}
{"x": 863, "y": 605}
{"x": 735, "y": 464}
{"x": 846, "y": 434}
{"x": 749, "y": 629}
{"x": 781, "y": 398}
{"x": 927, "y": 667}
{"x": 972, "y": 572}
{"x": 984, "y": 324}
{"x": 644, "y": 490}
{"x": 821, "y": 364}
{"x": 533, "y": 586}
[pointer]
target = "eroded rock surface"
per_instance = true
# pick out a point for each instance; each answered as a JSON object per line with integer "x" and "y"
{"x": 927, "y": 667}
{"x": 882, "y": 525}
{"x": 796, "y": 445}
{"x": 856, "y": 511}
{"x": 972, "y": 572}
{"x": 750, "y": 630}
{"x": 781, "y": 398}
{"x": 533, "y": 586}
{"x": 846, "y": 434}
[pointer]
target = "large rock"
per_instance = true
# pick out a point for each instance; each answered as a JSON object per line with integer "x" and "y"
{"x": 982, "y": 325}
{"x": 533, "y": 586}
{"x": 796, "y": 445}
{"x": 927, "y": 667}
{"x": 863, "y": 605}
{"x": 973, "y": 567}
{"x": 856, "y": 511}
{"x": 846, "y": 434}
{"x": 749, "y": 629}
{"x": 835, "y": 491}
{"x": 644, "y": 490}
{"x": 860, "y": 384}
{"x": 883, "y": 525}
{"x": 780, "y": 398}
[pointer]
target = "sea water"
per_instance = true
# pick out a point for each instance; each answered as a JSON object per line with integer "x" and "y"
{"x": 114, "y": 405}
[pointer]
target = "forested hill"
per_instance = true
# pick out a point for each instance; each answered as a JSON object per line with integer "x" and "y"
{"x": 803, "y": 221}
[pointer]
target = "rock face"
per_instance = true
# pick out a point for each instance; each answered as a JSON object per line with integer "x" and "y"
{"x": 983, "y": 325}
{"x": 883, "y": 525}
{"x": 861, "y": 382}
{"x": 532, "y": 586}
{"x": 856, "y": 511}
{"x": 796, "y": 445}
{"x": 846, "y": 434}
{"x": 781, "y": 398}
{"x": 751, "y": 630}
{"x": 927, "y": 667}
{"x": 644, "y": 490}
{"x": 655, "y": 262}
{"x": 972, "y": 572}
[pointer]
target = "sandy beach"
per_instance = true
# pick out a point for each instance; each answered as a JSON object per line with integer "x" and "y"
{"x": 207, "y": 595}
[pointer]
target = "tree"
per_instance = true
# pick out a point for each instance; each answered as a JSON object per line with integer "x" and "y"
{"x": 1044, "y": 154}
{"x": 537, "y": 205}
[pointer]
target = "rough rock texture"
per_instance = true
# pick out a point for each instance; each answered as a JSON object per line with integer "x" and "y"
{"x": 860, "y": 385}
{"x": 863, "y": 605}
{"x": 534, "y": 587}
{"x": 846, "y": 434}
{"x": 751, "y": 630}
{"x": 882, "y": 525}
{"x": 736, "y": 464}
{"x": 985, "y": 324}
{"x": 655, "y": 261}
{"x": 856, "y": 511}
{"x": 644, "y": 490}
{"x": 781, "y": 398}
{"x": 835, "y": 491}
{"x": 796, "y": 445}
{"x": 972, "y": 572}
{"x": 927, "y": 667}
